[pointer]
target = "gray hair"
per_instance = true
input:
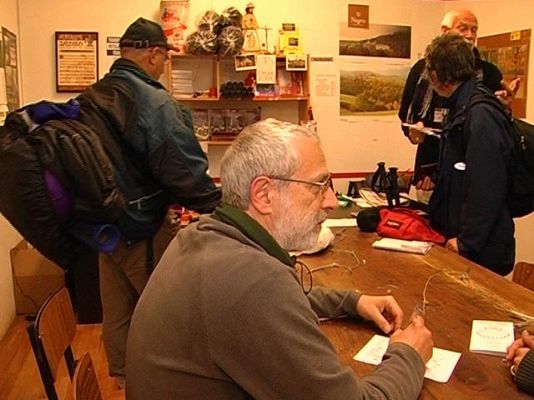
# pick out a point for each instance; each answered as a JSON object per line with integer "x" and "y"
{"x": 450, "y": 18}
{"x": 261, "y": 149}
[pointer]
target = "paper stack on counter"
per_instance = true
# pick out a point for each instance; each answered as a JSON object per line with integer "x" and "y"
{"x": 408, "y": 246}
{"x": 491, "y": 337}
{"x": 369, "y": 198}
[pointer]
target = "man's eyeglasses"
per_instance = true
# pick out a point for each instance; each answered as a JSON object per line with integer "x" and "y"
{"x": 323, "y": 185}
{"x": 165, "y": 52}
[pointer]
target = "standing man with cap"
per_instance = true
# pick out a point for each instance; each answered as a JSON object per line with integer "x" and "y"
{"x": 149, "y": 137}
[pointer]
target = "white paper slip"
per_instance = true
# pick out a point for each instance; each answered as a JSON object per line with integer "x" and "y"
{"x": 373, "y": 351}
{"x": 425, "y": 130}
{"x": 439, "y": 368}
{"x": 339, "y": 222}
{"x": 491, "y": 337}
{"x": 408, "y": 246}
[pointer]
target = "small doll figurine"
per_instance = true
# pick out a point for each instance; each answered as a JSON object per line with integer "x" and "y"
{"x": 249, "y": 20}
{"x": 250, "y": 26}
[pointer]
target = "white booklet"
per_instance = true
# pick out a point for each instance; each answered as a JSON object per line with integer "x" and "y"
{"x": 340, "y": 222}
{"x": 439, "y": 368}
{"x": 491, "y": 337}
{"x": 408, "y": 246}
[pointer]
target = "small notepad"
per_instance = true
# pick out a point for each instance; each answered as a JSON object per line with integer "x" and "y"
{"x": 491, "y": 337}
{"x": 439, "y": 368}
{"x": 340, "y": 222}
{"x": 408, "y": 246}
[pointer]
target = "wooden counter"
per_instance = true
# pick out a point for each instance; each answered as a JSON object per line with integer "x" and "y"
{"x": 457, "y": 292}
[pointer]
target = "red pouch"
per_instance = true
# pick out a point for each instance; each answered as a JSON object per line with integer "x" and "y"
{"x": 406, "y": 224}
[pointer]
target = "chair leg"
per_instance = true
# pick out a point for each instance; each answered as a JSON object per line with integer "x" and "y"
{"x": 42, "y": 363}
{"x": 69, "y": 359}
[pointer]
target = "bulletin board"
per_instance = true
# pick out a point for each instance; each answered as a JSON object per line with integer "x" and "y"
{"x": 510, "y": 52}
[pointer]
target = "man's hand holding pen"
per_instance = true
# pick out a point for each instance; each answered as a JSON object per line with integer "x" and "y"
{"x": 416, "y": 335}
{"x": 386, "y": 313}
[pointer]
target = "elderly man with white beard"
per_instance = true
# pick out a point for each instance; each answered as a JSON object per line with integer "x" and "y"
{"x": 224, "y": 315}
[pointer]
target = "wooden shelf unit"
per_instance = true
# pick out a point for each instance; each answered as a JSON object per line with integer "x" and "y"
{"x": 208, "y": 72}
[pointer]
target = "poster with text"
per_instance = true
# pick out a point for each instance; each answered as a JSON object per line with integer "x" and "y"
{"x": 76, "y": 60}
{"x": 9, "y": 40}
{"x": 510, "y": 53}
{"x": 266, "y": 69}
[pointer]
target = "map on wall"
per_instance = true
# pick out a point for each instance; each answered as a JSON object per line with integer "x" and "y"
{"x": 510, "y": 52}
{"x": 10, "y": 69}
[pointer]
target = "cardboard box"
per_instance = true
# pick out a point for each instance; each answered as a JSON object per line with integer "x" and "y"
{"x": 34, "y": 278}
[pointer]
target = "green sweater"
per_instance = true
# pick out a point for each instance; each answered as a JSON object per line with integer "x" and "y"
{"x": 223, "y": 318}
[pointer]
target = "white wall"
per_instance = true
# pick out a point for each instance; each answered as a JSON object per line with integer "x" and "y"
{"x": 319, "y": 24}
{"x": 349, "y": 147}
{"x": 8, "y": 236}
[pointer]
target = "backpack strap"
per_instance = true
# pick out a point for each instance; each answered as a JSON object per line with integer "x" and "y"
{"x": 481, "y": 96}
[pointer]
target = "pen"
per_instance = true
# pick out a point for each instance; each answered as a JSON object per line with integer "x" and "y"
{"x": 418, "y": 310}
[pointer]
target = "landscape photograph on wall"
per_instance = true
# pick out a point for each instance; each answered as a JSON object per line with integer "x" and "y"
{"x": 509, "y": 51}
{"x": 377, "y": 41}
{"x": 371, "y": 88}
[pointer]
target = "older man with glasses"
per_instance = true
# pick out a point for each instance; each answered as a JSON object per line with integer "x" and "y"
{"x": 421, "y": 107}
{"x": 149, "y": 137}
{"x": 224, "y": 315}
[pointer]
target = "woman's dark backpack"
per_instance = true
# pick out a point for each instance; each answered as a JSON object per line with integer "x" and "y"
{"x": 521, "y": 195}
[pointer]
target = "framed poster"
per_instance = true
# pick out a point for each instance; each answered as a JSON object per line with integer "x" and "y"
{"x": 9, "y": 86}
{"x": 392, "y": 41}
{"x": 510, "y": 52}
{"x": 244, "y": 62}
{"x": 297, "y": 62}
{"x": 76, "y": 60}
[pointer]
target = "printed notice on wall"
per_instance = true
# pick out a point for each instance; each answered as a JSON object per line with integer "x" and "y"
{"x": 112, "y": 46}
{"x": 325, "y": 85}
{"x": 76, "y": 60}
{"x": 3, "y": 95}
{"x": 265, "y": 68}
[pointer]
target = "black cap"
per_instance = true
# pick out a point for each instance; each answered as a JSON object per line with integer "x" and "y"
{"x": 142, "y": 34}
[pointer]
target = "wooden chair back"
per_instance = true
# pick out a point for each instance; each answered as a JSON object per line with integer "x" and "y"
{"x": 524, "y": 275}
{"x": 51, "y": 335}
{"x": 84, "y": 383}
